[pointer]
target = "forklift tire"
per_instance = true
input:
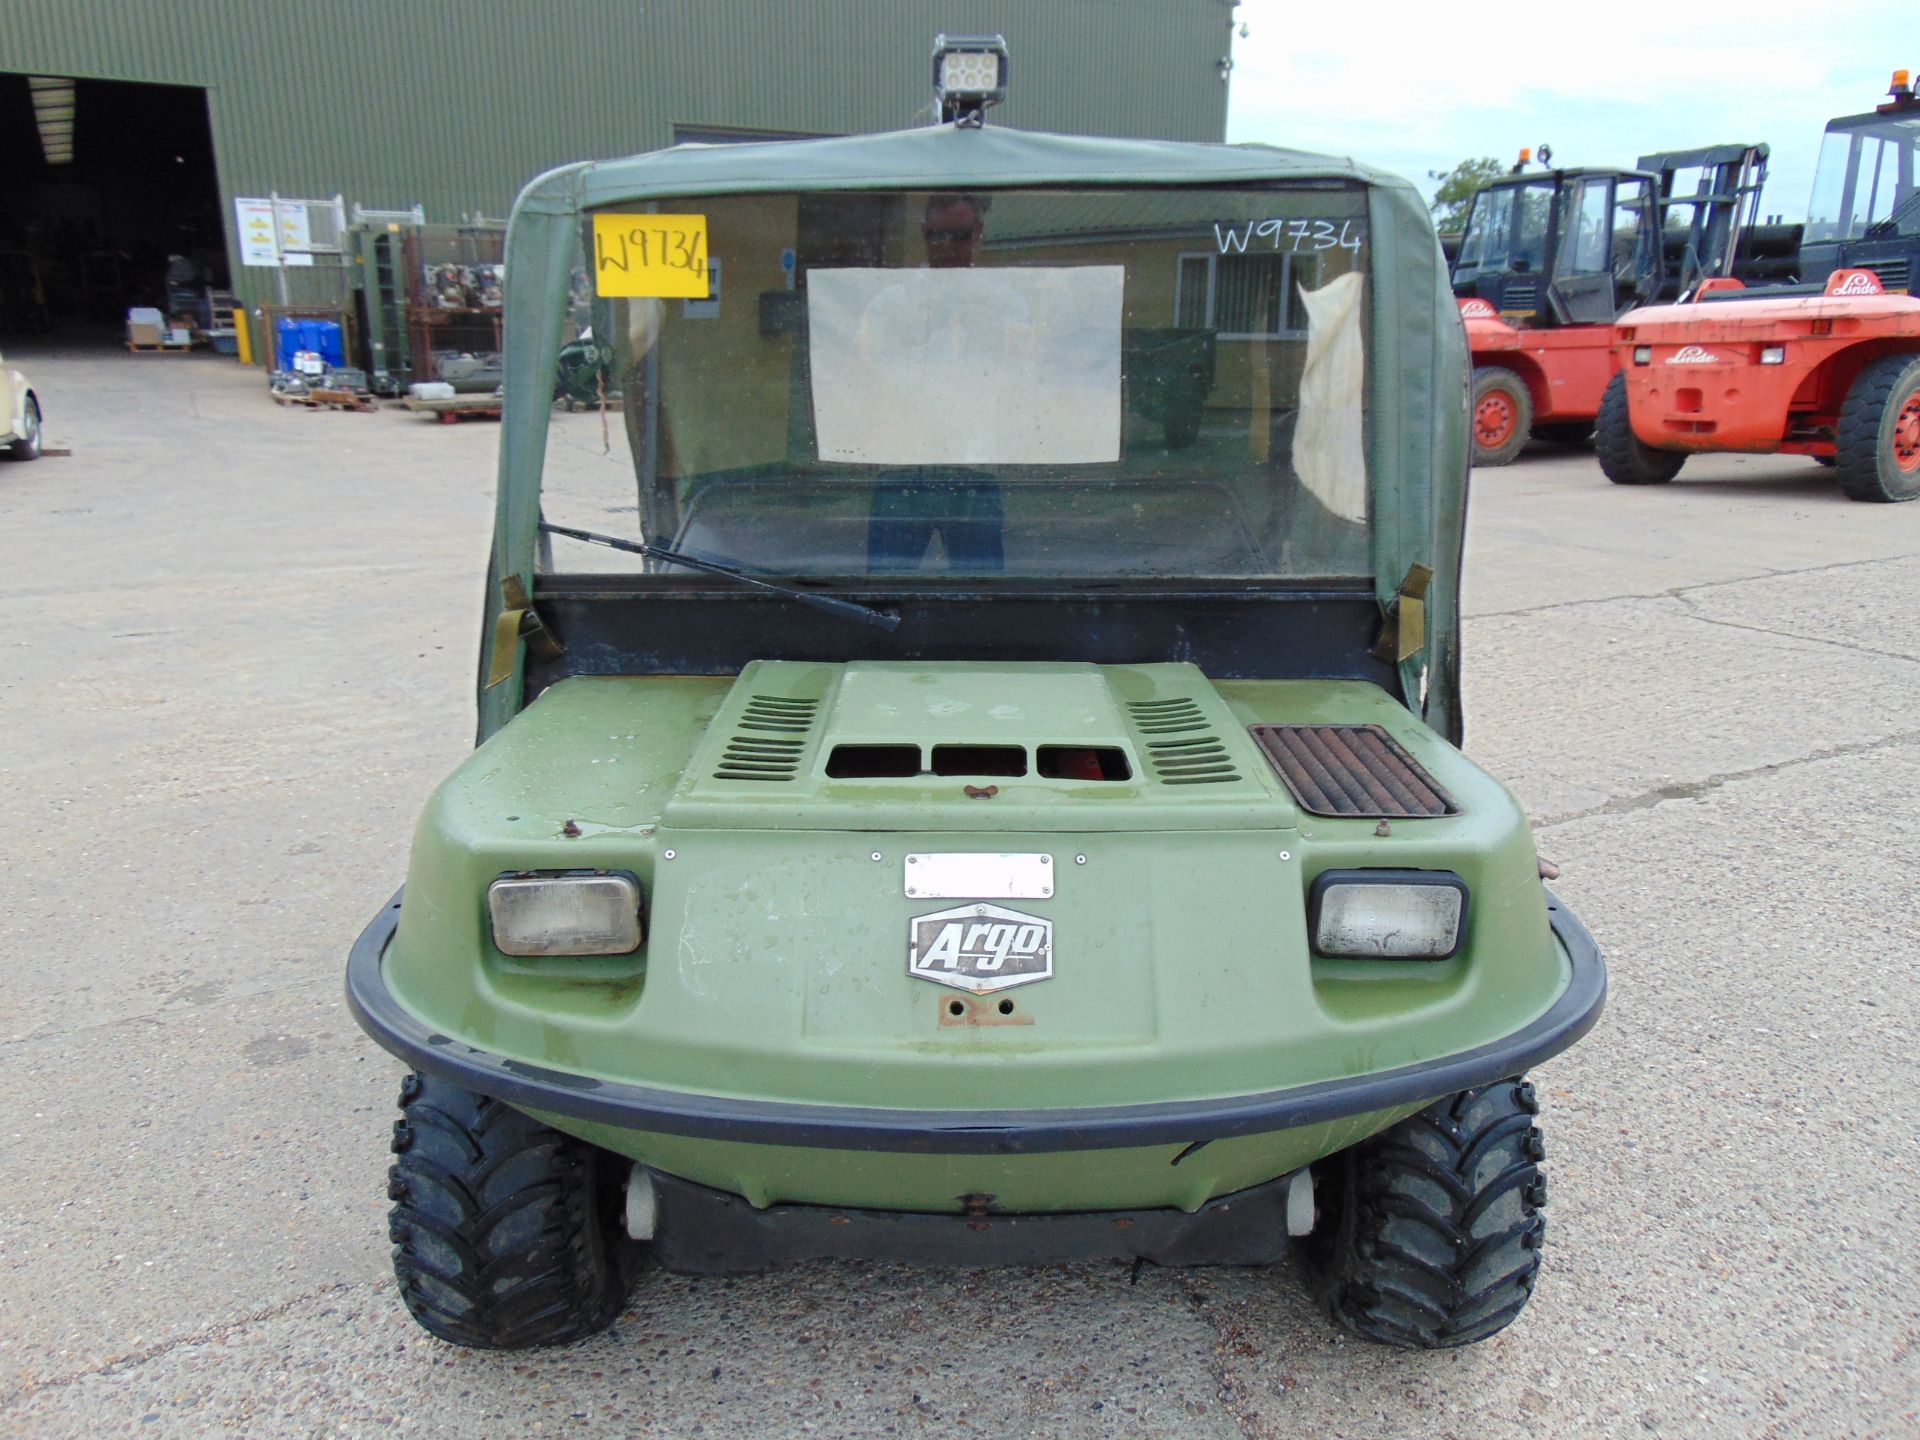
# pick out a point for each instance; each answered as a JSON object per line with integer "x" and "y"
{"x": 1877, "y": 442}
{"x": 506, "y": 1234}
{"x": 1625, "y": 459}
{"x": 1502, "y": 415}
{"x": 1430, "y": 1232}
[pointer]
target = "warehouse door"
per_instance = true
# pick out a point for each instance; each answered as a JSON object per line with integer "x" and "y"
{"x": 108, "y": 200}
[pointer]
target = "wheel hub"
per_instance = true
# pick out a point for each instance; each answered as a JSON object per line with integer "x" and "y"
{"x": 1493, "y": 419}
{"x": 1906, "y": 434}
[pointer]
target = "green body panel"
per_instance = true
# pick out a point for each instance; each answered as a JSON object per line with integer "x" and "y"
{"x": 775, "y": 962}
{"x": 1154, "y": 1177}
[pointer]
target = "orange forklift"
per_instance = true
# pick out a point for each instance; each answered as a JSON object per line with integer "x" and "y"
{"x": 1551, "y": 257}
{"x": 1829, "y": 367}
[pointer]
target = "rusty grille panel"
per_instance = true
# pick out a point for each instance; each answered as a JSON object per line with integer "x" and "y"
{"x": 1351, "y": 770}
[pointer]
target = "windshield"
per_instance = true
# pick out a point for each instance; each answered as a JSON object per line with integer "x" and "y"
{"x": 1508, "y": 228}
{"x": 1082, "y": 385}
{"x": 1866, "y": 174}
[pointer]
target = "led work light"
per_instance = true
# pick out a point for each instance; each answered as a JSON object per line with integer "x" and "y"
{"x": 579, "y": 913}
{"x": 969, "y": 74}
{"x": 1387, "y": 914}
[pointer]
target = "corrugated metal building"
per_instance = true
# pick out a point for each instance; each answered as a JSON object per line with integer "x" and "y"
{"x": 453, "y": 107}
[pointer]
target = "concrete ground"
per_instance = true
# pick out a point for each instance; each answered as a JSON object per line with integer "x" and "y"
{"x": 239, "y": 649}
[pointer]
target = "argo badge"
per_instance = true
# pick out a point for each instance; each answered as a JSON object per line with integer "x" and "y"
{"x": 980, "y": 948}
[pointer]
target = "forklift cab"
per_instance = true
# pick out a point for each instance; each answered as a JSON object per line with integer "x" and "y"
{"x": 1561, "y": 247}
{"x": 1865, "y": 208}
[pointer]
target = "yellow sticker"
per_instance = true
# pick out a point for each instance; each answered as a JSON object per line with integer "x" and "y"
{"x": 661, "y": 255}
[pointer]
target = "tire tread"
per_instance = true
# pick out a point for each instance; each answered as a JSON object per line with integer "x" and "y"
{"x": 505, "y": 1233}
{"x": 1860, "y": 460}
{"x": 1407, "y": 1268}
{"x": 1624, "y": 457}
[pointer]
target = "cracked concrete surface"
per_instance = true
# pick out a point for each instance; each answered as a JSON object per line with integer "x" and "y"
{"x": 240, "y": 652}
{"x": 1694, "y": 789}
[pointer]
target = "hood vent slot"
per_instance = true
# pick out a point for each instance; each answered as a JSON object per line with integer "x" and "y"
{"x": 1181, "y": 746}
{"x": 1200, "y": 761}
{"x": 778, "y": 715}
{"x": 1352, "y": 770}
{"x": 772, "y": 736}
{"x": 1167, "y": 717}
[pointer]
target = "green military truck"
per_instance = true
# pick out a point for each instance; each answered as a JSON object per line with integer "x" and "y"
{"x": 945, "y": 819}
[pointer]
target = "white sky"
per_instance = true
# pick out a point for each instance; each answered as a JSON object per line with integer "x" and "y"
{"x": 1416, "y": 87}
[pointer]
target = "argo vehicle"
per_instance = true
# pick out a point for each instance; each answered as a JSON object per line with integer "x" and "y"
{"x": 1550, "y": 258}
{"x": 960, "y": 822}
{"x": 1829, "y": 367}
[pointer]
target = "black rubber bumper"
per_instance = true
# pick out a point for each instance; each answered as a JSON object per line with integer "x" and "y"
{"x": 966, "y": 1132}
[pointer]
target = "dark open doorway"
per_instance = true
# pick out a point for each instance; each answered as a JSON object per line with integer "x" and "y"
{"x": 120, "y": 214}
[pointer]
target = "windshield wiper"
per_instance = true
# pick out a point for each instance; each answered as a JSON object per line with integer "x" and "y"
{"x": 1880, "y": 229}
{"x": 850, "y": 609}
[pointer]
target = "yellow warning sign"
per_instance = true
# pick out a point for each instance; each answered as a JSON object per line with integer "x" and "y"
{"x": 660, "y": 255}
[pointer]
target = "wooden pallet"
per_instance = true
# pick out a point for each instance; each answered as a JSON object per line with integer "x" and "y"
{"x": 461, "y": 407}
{"x": 138, "y": 349}
{"x": 341, "y": 400}
{"x": 326, "y": 400}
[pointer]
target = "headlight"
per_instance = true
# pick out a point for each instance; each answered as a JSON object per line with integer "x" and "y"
{"x": 585, "y": 913}
{"x": 969, "y": 74}
{"x": 1773, "y": 355}
{"x": 1387, "y": 914}
{"x": 1643, "y": 354}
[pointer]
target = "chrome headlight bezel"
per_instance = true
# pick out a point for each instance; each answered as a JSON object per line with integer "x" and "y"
{"x": 1323, "y": 893}
{"x": 510, "y": 894}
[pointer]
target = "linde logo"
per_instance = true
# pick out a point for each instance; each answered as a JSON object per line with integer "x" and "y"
{"x": 1476, "y": 310}
{"x": 980, "y": 948}
{"x": 1858, "y": 282}
{"x": 1694, "y": 355}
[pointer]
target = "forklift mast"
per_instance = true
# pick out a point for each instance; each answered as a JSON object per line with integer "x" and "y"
{"x": 1709, "y": 211}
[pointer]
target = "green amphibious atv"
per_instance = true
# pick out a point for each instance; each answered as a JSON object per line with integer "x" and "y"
{"x": 959, "y": 820}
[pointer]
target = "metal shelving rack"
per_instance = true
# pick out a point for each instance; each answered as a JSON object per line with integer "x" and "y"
{"x": 449, "y": 312}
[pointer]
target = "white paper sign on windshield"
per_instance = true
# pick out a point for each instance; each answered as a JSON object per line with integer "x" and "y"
{"x": 998, "y": 365}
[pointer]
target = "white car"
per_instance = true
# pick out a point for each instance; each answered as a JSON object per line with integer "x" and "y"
{"x": 19, "y": 415}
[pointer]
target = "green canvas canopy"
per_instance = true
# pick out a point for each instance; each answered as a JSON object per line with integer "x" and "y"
{"x": 1416, "y": 377}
